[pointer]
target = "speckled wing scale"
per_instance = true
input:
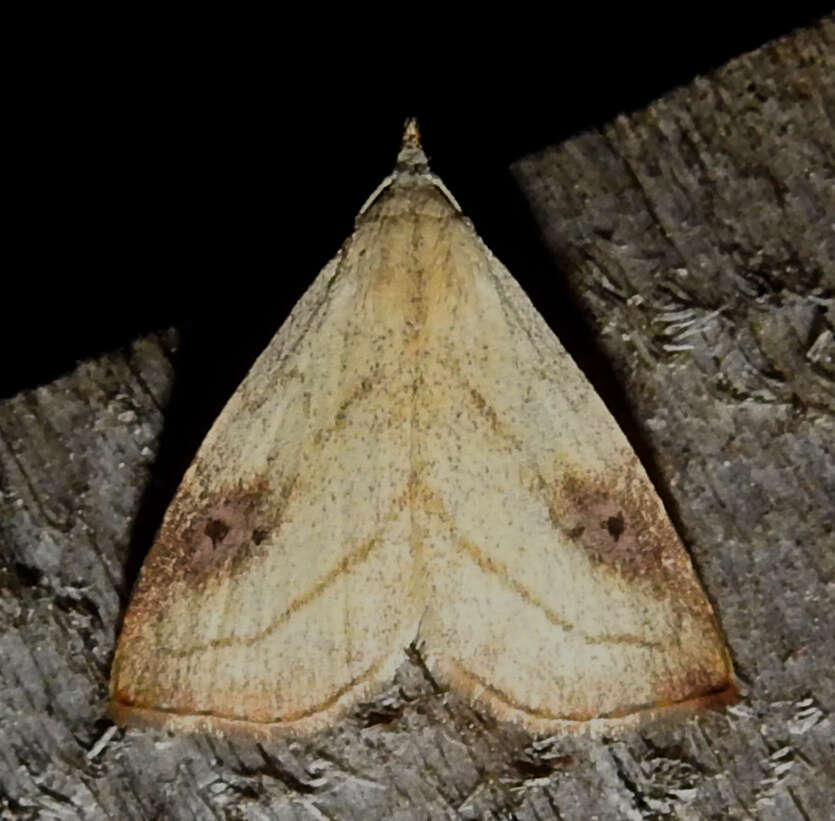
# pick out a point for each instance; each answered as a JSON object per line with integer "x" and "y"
{"x": 415, "y": 458}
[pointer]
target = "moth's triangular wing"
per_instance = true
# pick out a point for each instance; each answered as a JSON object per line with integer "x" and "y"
{"x": 562, "y": 592}
{"x": 282, "y": 585}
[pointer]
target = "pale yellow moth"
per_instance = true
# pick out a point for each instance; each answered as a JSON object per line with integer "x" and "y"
{"x": 415, "y": 461}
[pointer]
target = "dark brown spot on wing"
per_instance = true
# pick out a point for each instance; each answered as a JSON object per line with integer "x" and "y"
{"x": 216, "y": 530}
{"x": 619, "y": 521}
{"x": 205, "y": 535}
{"x": 619, "y": 524}
{"x": 221, "y": 531}
{"x": 614, "y": 524}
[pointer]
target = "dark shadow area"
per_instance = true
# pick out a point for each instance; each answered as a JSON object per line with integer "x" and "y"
{"x": 147, "y": 198}
{"x": 151, "y": 201}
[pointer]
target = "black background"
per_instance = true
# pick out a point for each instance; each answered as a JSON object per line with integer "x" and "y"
{"x": 190, "y": 176}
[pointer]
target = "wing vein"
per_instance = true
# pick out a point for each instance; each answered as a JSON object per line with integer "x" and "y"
{"x": 348, "y": 562}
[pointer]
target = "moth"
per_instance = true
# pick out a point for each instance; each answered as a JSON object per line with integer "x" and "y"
{"x": 415, "y": 462}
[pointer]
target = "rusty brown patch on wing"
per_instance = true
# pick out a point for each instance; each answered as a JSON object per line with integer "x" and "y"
{"x": 618, "y": 524}
{"x": 206, "y": 534}
{"x": 221, "y": 536}
{"x": 619, "y": 521}
{"x": 227, "y": 531}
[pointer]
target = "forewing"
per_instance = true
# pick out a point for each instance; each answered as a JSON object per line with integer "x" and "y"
{"x": 278, "y": 589}
{"x": 562, "y": 592}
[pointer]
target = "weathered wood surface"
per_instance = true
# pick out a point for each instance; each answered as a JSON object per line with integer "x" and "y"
{"x": 696, "y": 238}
